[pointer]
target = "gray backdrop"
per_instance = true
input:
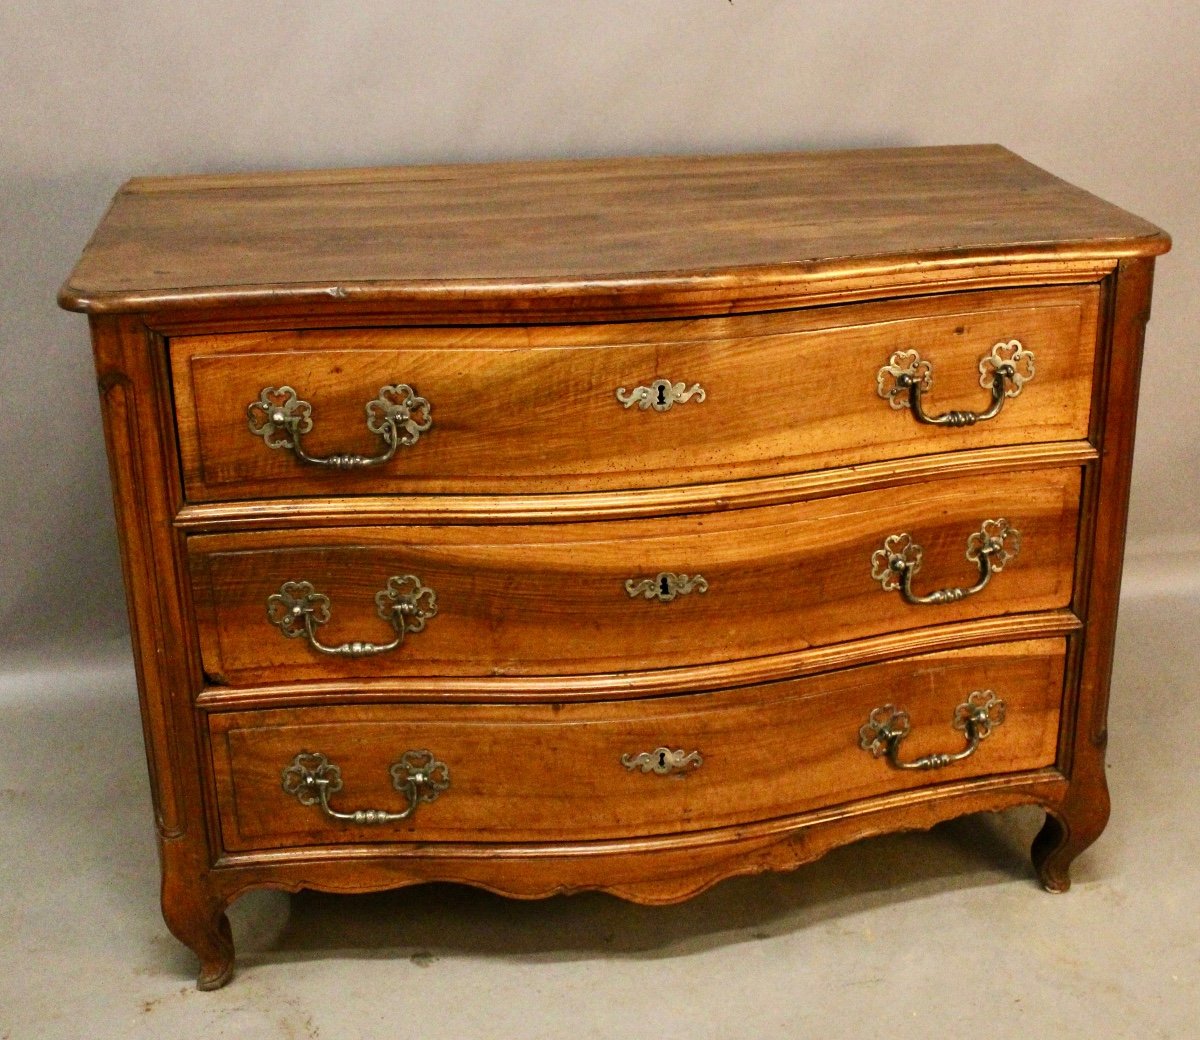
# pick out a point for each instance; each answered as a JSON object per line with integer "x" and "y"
{"x": 1103, "y": 94}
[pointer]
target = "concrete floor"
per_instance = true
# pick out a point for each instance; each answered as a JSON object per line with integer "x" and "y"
{"x": 942, "y": 934}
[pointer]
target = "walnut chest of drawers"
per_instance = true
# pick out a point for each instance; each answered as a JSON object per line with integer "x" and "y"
{"x": 618, "y": 525}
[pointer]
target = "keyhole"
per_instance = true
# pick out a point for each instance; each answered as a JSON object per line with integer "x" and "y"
{"x": 662, "y": 394}
{"x": 664, "y": 586}
{"x": 662, "y": 759}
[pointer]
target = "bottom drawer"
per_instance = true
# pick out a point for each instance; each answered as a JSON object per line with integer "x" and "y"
{"x": 572, "y": 772}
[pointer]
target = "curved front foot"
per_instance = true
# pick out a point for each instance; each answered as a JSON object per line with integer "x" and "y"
{"x": 205, "y": 931}
{"x": 1065, "y": 834}
{"x": 197, "y": 919}
{"x": 216, "y": 960}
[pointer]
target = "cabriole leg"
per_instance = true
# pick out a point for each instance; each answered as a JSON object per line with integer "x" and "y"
{"x": 196, "y": 917}
{"x": 1068, "y": 830}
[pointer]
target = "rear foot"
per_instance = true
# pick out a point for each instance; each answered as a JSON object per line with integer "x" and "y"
{"x": 1065, "y": 834}
{"x": 1051, "y": 856}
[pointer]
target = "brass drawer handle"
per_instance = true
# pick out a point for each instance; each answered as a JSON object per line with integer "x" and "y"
{"x": 663, "y": 761}
{"x": 660, "y": 395}
{"x": 398, "y": 416}
{"x": 888, "y": 725}
{"x": 665, "y": 586}
{"x": 297, "y": 609}
{"x": 312, "y": 779}
{"x": 906, "y": 376}
{"x": 990, "y": 548}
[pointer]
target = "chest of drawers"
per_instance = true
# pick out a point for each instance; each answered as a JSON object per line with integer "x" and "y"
{"x": 619, "y": 525}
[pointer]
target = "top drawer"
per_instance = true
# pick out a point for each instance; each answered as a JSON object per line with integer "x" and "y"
{"x": 502, "y": 410}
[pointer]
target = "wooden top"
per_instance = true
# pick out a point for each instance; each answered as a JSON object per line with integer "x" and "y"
{"x": 655, "y": 229}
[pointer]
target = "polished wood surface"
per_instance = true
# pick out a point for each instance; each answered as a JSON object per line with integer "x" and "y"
{"x": 507, "y": 234}
{"x": 530, "y": 689}
{"x": 546, "y": 601}
{"x": 651, "y": 871}
{"x": 553, "y": 773}
{"x": 535, "y": 409}
{"x": 138, "y": 428}
{"x": 1075, "y": 821}
{"x": 1002, "y": 462}
{"x": 195, "y": 284}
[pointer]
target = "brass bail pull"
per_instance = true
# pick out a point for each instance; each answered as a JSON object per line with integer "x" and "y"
{"x": 907, "y": 377}
{"x": 887, "y": 726}
{"x": 312, "y": 780}
{"x": 990, "y": 548}
{"x": 297, "y": 609}
{"x": 397, "y": 416}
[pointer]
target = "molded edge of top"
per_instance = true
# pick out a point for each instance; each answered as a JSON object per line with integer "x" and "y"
{"x": 703, "y": 289}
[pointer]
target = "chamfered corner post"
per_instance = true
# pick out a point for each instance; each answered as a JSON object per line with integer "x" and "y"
{"x": 1076, "y": 821}
{"x": 135, "y": 408}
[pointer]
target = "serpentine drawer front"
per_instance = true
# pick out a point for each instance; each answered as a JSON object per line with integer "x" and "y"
{"x": 621, "y": 525}
{"x": 629, "y": 594}
{"x": 540, "y": 773}
{"x": 614, "y": 406}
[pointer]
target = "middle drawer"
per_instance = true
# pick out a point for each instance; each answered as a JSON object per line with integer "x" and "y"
{"x": 630, "y": 595}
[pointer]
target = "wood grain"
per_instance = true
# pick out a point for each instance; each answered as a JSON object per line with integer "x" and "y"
{"x": 651, "y": 871}
{"x": 1005, "y": 463}
{"x": 546, "y": 601}
{"x": 1078, "y": 819}
{"x": 502, "y": 286}
{"x": 517, "y": 234}
{"x": 607, "y": 686}
{"x": 520, "y": 410}
{"x": 554, "y": 773}
{"x": 134, "y": 392}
